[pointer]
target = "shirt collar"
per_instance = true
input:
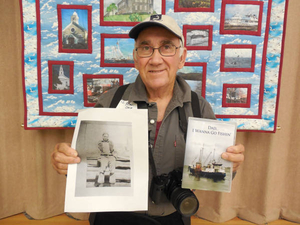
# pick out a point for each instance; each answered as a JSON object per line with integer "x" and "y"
{"x": 182, "y": 91}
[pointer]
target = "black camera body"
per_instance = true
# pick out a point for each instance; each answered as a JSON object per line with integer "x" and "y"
{"x": 184, "y": 200}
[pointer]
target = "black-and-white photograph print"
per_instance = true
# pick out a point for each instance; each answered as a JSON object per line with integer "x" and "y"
{"x": 60, "y": 77}
{"x": 106, "y": 152}
{"x": 238, "y": 58}
{"x": 197, "y": 37}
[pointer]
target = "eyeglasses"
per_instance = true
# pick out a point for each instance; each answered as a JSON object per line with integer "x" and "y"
{"x": 146, "y": 51}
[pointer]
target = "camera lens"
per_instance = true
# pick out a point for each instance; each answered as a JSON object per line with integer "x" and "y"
{"x": 189, "y": 206}
{"x": 184, "y": 201}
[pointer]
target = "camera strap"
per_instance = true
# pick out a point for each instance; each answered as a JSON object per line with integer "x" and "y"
{"x": 196, "y": 113}
{"x": 118, "y": 96}
{"x": 151, "y": 158}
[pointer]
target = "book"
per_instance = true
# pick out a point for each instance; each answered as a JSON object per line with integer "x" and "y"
{"x": 204, "y": 169}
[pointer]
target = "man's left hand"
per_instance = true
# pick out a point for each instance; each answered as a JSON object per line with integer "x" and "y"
{"x": 235, "y": 154}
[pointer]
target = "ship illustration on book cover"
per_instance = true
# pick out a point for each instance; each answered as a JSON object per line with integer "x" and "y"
{"x": 204, "y": 169}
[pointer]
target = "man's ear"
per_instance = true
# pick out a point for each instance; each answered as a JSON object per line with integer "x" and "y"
{"x": 134, "y": 59}
{"x": 182, "y": 58}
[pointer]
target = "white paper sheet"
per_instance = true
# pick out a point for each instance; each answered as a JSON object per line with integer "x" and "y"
{"x": 125, "y": 183}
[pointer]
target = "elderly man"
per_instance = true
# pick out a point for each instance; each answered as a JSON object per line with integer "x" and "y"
{"x": 107, "y": 160}
{"x": 158, "y": 53}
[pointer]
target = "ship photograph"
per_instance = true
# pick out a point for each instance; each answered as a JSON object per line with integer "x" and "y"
{"x": 241, "y": 17}
{"x": 206, "y": 170}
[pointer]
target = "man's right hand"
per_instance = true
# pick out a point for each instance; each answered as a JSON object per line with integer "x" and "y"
{"x": 63, "y": 155}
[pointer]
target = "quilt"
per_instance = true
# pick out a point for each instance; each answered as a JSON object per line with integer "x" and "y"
{"x": 74, "y": 51}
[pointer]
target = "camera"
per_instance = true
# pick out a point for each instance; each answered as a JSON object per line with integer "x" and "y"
{"x": 183, "y": 200}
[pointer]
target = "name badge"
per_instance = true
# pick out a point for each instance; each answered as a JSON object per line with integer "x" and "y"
{"x": 123, "y": 104}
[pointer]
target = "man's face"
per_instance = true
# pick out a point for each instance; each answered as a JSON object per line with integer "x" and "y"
{"x": 157, "y": 71}
{"x": 105, "y": 137}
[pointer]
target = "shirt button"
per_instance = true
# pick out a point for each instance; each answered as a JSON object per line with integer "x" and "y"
{"x": 152, "y": 121}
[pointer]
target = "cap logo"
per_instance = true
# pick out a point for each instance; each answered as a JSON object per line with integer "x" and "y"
{"x": 155, "y": 17}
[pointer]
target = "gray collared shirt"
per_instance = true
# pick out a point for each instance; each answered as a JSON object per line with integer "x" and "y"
{"x": 169, "y": 148}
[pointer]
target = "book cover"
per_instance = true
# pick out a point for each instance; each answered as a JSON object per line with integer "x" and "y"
{"x": 204, "y": 169}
